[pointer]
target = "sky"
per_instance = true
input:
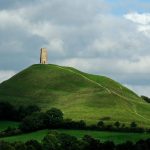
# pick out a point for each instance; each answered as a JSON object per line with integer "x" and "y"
{"x": 104, "y": 37}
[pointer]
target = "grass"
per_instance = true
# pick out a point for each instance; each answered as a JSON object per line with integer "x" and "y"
{"x": 38, "y": 135}
{"x": 5, "y": 124}
{"x": 117, "y": 137}
{"x": 79, "y": 95}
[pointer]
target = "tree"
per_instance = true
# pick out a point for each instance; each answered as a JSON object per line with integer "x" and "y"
{"x": 68, "y": 142}
{"x": 100, "y": 124}
{"x": 24, "y": 111}
{"x": 133, "y": 125}
{"x": 117, "y": 124}
{"x": 20, "y": 146}
{"x": 7, "y": 111}
{"x": 91, "y": 143}
{"x": 108, "y": 145}
{"x": 34, "y": 122}
{"x": 81, "y": 124}
{"x": 54, "y": 118}
{"x": 34, "y": 144}
{"x": 126, "y": 146}
{"x": 147, "y": 99}
{"x": 6, "y": 146}
{"x": 50, "y": 142}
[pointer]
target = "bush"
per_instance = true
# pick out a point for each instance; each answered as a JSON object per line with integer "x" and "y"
{"x": 7, "y": 111}
{"x": 70, "y": 124}
{"x": 117, "y": 124}
{"x": 34, "y": 122}
{"x": 100, "y": 124}
{"x": 24, "y": 111}
{"x": 6, "y": 146}
{"x": 147, "y": 99}
{"x": 54, "y": 118}
{"x": 50, "y": 142}
{"x": 105, "y": 118}
{"x": 133, "y": 125}
{"x": 35, "y": 145}
{"x": 10, "y": 131}
{"x": 68, "y": 142}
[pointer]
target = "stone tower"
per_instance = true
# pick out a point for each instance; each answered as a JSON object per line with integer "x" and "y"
{"x": 43, "y": 56}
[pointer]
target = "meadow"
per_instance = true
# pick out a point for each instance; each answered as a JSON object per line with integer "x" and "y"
{"x": 102, "y": 136}
{"x": 5, "y": 124}
{"x": 117, "y": 137}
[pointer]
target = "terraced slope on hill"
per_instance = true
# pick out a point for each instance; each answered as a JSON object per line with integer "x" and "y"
{"x": 79, "y": 95}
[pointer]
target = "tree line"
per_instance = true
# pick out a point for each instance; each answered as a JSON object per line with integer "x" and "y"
{"x": 32, "y": 119}
{"x": 61, "y": 141}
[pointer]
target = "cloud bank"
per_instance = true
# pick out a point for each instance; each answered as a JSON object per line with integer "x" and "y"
{"x": 87, "y": 34}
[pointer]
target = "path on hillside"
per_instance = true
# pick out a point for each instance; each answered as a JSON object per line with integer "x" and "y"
{"x": 108, "y": 90}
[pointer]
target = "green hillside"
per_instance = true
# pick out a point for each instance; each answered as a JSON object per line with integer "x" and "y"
{"x": 79, "y": 95}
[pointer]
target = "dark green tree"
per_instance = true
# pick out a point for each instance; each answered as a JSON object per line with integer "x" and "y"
{"x": 7, "y": 111}
{"x": 20, "y": 146}
{"x": 133, "y": 125}
{"x": 33, "y": 144}
{"x": 91, "y": 143}
{"x": 35, "y": 121}
{"x": 117, "y": 124}
{"x": 100, "y": 124}
{"x": 24, "y": 111}
{"x": 50, "y": 142}
{"x": 54, "y": 118}
{"x": 6, "y": 146}
{"x": 68, "y": 142}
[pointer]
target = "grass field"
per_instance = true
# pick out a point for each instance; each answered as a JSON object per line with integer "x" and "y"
{"x": 103, "y": 136}
{"x": 79, "y": 95}
{"x": 5, "y": 124}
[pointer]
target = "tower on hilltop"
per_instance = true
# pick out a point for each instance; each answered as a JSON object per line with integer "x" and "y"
{"x": 43, "y": 56}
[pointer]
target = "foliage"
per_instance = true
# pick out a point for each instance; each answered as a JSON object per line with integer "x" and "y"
{"x": 117, "y": 124}
{"x": 35, "y": 121}
{"x": 133, "y": 125}
{"x": 35, "y": 145}
{"x": 54, "y": 118}
{"x": 10, "y": 112}
{"x": 100, "y": 124}
{"x": 7, "y": 111}
{"x": 24, "y": 111}
{"x": 50, "y": 142}
{"x": 68, "y": 142}
{"x": 147, "y": 99}
{"x": 70, "y": 124}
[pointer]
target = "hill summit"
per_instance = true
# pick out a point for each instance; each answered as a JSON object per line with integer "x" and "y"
{"x": 79, "y": 95}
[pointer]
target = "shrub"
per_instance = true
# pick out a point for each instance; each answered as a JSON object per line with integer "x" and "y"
{"x": 54, "y": 118}
{"x": 133, "y": 125}
{"x": 105, "y": 118}
{"x": 100, "y": 124}
{"x": 34, "y": 122}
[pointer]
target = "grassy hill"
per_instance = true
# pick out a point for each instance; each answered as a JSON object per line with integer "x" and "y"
{"x": 79, "y": 95}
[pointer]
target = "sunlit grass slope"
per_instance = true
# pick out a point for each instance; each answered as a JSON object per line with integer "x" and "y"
{"x": 79, "y": 95}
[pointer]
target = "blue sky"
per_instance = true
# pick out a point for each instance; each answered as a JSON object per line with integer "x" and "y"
{"x": 106, "y": 37}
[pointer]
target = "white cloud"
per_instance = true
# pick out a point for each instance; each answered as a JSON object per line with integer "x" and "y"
{"x": 142, "y": 21}
{"x": 80, "y": 33}
{"x": 143, "y": 18}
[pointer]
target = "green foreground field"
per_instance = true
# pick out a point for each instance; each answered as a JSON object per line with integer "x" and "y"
{"x": 117, "y": 137}
{"x": 101, "y": 135}
{"x": 5, "y": 124}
